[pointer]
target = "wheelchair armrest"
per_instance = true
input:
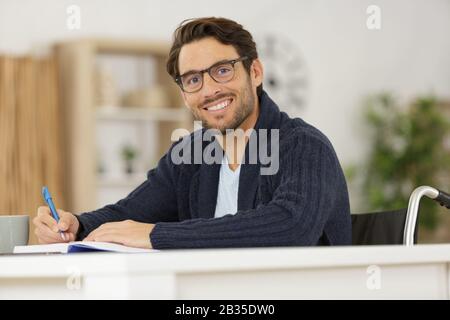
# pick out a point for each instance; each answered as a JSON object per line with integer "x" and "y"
{"x": 413, "y": 209}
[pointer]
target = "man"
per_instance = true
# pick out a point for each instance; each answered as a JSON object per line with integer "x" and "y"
{"x": 302, "y": 201}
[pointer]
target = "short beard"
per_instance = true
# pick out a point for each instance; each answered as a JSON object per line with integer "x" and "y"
{"x": 241, "y": 114}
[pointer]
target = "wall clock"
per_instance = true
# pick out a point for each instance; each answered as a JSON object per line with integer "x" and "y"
{"x": 285, "y": 73}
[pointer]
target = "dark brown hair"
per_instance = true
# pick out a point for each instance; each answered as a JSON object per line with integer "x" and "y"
{"x": 223, "y": 30}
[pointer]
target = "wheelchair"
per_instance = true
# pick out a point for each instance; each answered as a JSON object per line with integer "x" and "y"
{"x": 397, "y": 226}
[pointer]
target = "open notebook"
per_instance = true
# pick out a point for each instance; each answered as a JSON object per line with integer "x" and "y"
{"x": 79, "y": 246}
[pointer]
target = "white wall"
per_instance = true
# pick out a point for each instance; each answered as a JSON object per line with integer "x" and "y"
{"x": 410, "y": 55}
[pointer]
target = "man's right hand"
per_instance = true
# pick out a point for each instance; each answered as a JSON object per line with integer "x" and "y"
{"x": 48, "y": 230}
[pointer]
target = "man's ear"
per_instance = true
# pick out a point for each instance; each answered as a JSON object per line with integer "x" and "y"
{"x": 257, "y": 72}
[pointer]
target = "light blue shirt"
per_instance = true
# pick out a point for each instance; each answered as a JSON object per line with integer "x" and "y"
{"x": 227, "y": 195}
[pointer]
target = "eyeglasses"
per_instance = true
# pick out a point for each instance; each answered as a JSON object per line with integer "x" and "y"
{"x": 221, "y": 72}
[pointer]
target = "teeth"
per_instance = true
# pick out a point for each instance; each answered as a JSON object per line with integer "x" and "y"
{"x": 219, "y": 106}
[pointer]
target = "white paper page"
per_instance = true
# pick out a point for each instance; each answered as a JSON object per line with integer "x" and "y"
{"x": 42, "y": 248}
{"x": 64, "y": 247}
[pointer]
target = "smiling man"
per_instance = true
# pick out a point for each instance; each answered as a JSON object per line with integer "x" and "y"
{"x": 229, "y": 203}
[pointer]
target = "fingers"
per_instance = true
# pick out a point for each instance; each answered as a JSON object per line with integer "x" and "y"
{"x": 69, "y": 236}
{"x": 44, "y": 216}
{"x": 108, "y": 237}
{"x": 108, "y": 232}
{"x": 93, "y": 236}
{"x": 47, "y": 235}
{"x": 129, "y": 233}
{"x": 65, "y": 220}
{"x": 48, "y": 230}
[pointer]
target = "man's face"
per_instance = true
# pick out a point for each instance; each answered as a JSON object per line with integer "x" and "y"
{"x": 238, "y": 95}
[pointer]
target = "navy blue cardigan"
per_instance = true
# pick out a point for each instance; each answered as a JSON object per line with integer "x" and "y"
{"x": 305, "y": 203}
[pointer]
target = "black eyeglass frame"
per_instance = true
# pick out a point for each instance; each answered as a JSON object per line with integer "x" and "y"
{"x": 202, "y": 72}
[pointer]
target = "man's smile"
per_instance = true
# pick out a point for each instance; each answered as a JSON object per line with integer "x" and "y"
{"x": 218, "y": 107}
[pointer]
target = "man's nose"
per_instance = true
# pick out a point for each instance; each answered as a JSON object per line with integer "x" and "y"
{"x": 210, "y": 86}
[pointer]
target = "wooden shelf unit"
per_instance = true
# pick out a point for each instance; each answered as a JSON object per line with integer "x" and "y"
{"x": 77, "y": 62}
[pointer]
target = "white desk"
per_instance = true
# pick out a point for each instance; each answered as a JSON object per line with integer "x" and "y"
{"x": 268, "y": 273}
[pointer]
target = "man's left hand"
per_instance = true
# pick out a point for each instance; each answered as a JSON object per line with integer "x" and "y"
{"x": 128, "y": 233}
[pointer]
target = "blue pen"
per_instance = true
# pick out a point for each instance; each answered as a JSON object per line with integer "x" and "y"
{"x": 49, "y": 201}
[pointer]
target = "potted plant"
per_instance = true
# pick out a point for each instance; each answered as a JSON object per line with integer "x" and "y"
{"x": 129, "y": 154}
{"x": 407, "y": 149}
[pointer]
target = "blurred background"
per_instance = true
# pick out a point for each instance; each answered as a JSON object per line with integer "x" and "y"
{"x": 87, "y": 108}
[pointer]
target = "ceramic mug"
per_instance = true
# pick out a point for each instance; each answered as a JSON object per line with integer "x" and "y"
{"x": 13, "y": 232}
